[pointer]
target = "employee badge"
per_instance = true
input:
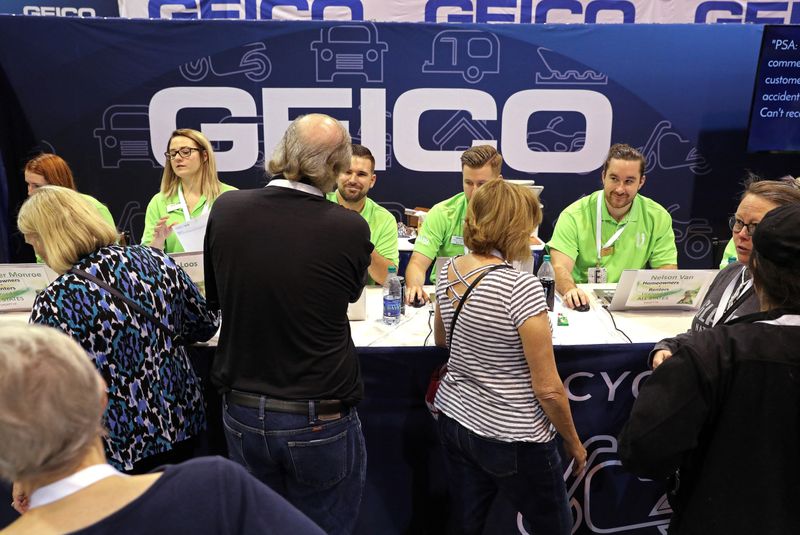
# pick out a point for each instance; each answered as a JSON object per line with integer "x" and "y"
{"x": 597, "y": 275}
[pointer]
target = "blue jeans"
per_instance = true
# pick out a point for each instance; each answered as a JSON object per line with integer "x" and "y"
{"x": 318, "y": 465}
{"x": 529, "y": 474}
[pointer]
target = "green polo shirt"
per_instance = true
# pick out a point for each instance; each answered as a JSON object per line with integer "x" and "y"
{"x": 101, "y": 208}
{"x": 442, "y": 233}
{"x": 730, "y": 251}
{"x": 382, "y": 229}
{"x": 647, "y": 239}
{"x": 161, "y": 206}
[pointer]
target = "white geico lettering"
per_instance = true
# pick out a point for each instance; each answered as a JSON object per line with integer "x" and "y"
{"x": 164, "y": 108}
{"x": 408, "y": 110}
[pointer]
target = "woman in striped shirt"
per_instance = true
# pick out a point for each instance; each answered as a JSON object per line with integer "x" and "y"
{"x": 502, "y": 401}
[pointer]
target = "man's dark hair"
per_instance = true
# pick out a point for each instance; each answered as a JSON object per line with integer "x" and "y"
{"x": 360, "y": 151}
{"x": 621, "y": 151}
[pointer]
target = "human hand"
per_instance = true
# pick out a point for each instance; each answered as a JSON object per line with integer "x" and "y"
{"x": 660, "y": 356}
{"x": 20, "y": 501}
{"x": 161, "y": 232}
{"x": 416, "y": 292}
{"x": 574, "y": 298}
{"x": 578, "y": 454}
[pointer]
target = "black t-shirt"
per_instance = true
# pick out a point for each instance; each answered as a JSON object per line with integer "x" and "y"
{"x": 283, "y": 265}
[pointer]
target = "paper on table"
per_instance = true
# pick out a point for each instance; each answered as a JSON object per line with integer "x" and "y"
{"x": 19, "y": 284}
{"x": 192, "y": 233}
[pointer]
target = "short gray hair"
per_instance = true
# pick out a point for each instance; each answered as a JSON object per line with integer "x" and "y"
{"x": 314, "y": 146}
{"x": 51, "y": 401}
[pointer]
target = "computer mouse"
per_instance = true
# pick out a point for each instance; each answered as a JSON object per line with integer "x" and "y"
{"x": 583, "y": 308}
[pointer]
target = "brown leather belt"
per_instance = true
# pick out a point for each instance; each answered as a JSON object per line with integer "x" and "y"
{"x": 322, "y": 407}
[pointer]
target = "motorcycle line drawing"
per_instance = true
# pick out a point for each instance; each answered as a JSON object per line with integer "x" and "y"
{"x": 696, "y": 234}
{"x": 253, "y": 64}
{"x": 666, "y": 149}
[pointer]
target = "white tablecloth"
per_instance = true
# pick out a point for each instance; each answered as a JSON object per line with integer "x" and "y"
{"x": 592, "y": 327}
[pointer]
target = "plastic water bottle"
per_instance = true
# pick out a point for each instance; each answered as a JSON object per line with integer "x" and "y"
{"x": 547, "y": 276}
{"x": 392, "y": 296}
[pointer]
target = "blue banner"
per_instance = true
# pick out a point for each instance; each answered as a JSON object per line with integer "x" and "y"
{"x": 551, "y": 98}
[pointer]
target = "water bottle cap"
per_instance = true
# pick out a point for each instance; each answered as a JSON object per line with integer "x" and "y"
{"x": 731, "y": 259}
{"x": 547, "y": 258}
{"x": 392, "y": 269}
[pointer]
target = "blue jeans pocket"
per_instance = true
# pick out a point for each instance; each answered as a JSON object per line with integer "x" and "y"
{"x": 322, "y": 463}
{"x": 495, "y": 457}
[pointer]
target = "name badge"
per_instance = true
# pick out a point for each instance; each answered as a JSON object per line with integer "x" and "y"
{"x": 457, "y": 240}
{"x": 173, "y": 207}
{"x": 597, "y": 275}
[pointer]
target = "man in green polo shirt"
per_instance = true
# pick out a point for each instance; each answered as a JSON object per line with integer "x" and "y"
{"x": 442, "y": 233}
{"x": 351, "y": 192}
{"x": 634, "y": 231}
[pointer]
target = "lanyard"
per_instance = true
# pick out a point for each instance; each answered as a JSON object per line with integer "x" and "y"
{"x": 598, "y": 233}
{"x": 71, "y": 484}
{"x": 186, "y": 213}
{"x": 728, "y": 296}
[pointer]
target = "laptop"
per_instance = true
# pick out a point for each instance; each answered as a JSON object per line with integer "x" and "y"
{"x": 657, "y": 289}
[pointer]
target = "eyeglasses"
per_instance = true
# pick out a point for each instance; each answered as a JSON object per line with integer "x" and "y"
{"x": 736, "y": 225}
{"x": 185, "y": 152}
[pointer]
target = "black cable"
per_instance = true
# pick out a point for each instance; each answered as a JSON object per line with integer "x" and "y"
{"x": 605, "y": 307}
{"x": 430, "y": 329}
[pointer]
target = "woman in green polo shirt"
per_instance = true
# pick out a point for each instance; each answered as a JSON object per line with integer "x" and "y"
{"x": 51, "y": 170}
{"x": 189, "y": 186}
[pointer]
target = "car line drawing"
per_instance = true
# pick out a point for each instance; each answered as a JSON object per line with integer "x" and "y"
{"x": 349, "y": 49}
{"x": 602, "y": 460}
{"x": 124, "y": 135}
{"x": 254, "y": 64}
{"x": 549, "y": 139}
{"x": 461, "y": 122}
{"x": 696, "y": 234}
{"x": 567, "y": 76}
{"x": 470, "y": 53}
{"x": 666, "y": 149}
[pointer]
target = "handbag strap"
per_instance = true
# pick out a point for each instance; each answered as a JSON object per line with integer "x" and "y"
{"x": 466, "y": 294}
{"x": 136, "y": 307}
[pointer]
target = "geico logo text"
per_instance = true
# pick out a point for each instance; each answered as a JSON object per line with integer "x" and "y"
{"x": 527, "y": 11}
{"x": 406, "y": 113}
{"x": 254, "y": 9}
{"x": 65, "y": 11}
{"x": 751, "y": 12}
{"x": 579, "y": 384}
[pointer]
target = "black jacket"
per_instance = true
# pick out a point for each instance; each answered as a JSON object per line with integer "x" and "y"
{"x": 721, "y": 420}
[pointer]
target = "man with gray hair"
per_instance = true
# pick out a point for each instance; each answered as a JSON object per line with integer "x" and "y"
{"x": 283, "y": 263}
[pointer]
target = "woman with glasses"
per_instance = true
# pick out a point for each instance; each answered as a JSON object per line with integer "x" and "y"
{"x": 189, "y": 186}
{"x": 731, "y": 293}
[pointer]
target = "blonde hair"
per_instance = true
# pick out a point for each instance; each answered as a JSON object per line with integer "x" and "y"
{"x": 68, "y": 226}
{"x": 210, "y": 185}
{"x": 501, "y": 216}
{"x": 480, "y": 155}
{"x": 52, "y": 401}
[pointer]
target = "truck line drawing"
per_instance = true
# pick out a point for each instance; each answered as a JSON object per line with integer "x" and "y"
{"x": 349, "y": 49}
{"x": 124, "y": 135}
